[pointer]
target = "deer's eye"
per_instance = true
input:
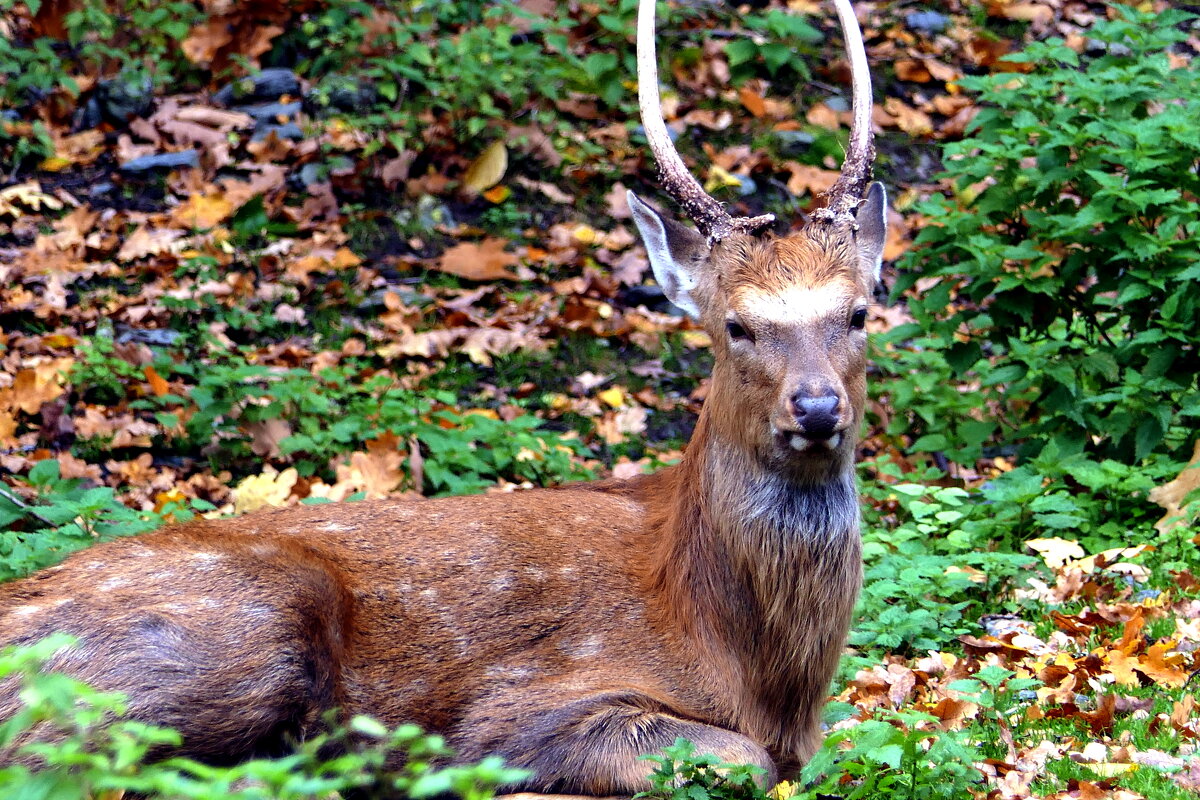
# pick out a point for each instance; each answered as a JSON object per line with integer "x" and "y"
{"x": 736, "y": 332}
{"x": 858, "y": 319}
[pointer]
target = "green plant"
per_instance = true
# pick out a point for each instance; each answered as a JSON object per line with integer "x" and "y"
{"x": 901, "y": 753}
{"x": 85, "y": 747}
{"x": 682, "y": 774}
{"x": 1069, "y": 256}
{"x": 68, "y": 516}
{"x": 783, "y": 41}
{"x": 931, "y": 561}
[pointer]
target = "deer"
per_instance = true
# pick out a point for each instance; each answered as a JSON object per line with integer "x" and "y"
{"x": 571, "y": 630}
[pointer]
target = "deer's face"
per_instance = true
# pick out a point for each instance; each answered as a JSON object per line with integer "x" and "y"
{"x": 787, "y": 320}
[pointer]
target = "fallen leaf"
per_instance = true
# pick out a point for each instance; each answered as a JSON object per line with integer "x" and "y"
{"x": 203, "y": 211}
{"x": 1171, "y": 495}
{"x": 270, "y": 488}
{"x": 266, "y": 436}
{"x": 488, "y": 169}
{"x": 483, "y": 261}
{"x": 1056, "y": 552}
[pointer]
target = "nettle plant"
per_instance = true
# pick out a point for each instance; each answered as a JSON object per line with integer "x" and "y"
{"x": 1071, "y": 254}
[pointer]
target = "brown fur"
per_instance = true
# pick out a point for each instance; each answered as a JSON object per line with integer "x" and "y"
{"x": 569, "y": 630}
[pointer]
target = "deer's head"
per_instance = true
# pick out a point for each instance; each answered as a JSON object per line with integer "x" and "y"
{"x": 786, "y": 314}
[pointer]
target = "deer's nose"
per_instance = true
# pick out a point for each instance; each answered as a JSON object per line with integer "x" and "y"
{"x": 817, "y": 415}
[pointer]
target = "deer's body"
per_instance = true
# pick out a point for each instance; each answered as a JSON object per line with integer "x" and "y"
{"x": 548, "y": 642}
{"x": 569, "y": 630}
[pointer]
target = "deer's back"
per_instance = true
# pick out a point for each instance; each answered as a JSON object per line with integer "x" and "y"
{"x": 425, "y": 609}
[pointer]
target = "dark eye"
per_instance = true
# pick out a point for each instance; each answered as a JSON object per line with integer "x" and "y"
{"x": 858, "y": 319}
{"x": 737, "y": 332}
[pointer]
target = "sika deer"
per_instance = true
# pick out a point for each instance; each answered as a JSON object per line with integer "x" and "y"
{"x": 569, "y": 630}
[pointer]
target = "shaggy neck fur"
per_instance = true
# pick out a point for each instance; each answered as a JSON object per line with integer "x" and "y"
{"x": 760, "y": 570}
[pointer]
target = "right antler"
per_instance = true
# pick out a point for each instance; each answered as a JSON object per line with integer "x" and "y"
{"x": 710, "y": 216}
{"x": 845, "y": 195}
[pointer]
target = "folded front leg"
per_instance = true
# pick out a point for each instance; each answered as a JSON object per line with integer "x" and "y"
{"x": 593, "y": 744}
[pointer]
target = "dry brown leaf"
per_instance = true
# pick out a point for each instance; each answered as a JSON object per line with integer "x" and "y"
{"x": 266, "y": 436}
{"x": 376, "y": 472}
{"x": 911, "y": 120}
{"x": 753, "y": 101}
{"x": 33, "y": 387}
{"x": 911, "y": 69}
{"x": 1171, "y": 495}
{"x": 806, "y": 179}
{"x": 483, "y": 261}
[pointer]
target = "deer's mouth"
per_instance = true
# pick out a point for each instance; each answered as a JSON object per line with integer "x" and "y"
{"x": 794, "y": 443}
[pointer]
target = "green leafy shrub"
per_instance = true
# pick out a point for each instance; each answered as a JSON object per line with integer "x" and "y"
{"x": 682, "y": 774}
{"x": 97, "y": 751}
{"x": 68, "y": 516}
{"x": 931, "y": 564}
{"x": 334, "y": 413}
{"x": 899, "y": 753}
{"x": 1072, "y": 253}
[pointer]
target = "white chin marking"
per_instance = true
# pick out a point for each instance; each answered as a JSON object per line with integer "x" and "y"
{"x": 801, "y": 443}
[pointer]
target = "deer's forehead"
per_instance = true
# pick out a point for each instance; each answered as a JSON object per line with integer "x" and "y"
{"x": 796, "y": 304}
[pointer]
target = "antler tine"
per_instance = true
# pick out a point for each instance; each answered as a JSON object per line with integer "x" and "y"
{"x": 709, "y": 215}
{"x": 847, "y": 192}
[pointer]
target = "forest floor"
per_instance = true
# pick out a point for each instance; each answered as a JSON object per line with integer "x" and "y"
{"x": 412, "y": 271}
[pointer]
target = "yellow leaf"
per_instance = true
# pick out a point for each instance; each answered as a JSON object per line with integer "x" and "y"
{"x": 55, "y": 164}
{"x": 718, "y": 177}
{"x": 1056, "y": 551}
{"x": 271, "y": 488}
{"x": 782, "y": 791}
{"x": 487, "y": 170}
{"x": 614, "y": 397}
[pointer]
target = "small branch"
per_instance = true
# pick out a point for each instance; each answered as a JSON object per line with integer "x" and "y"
{"x": 21, "y": 504}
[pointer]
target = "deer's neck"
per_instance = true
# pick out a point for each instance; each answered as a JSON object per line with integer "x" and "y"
{"x": 761, "y": 568}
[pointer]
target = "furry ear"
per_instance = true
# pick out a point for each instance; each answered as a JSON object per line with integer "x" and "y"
{"x": 676, "y": 254}
{"x": 871, "y": 235}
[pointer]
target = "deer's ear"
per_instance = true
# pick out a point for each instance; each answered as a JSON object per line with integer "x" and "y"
{"x": 677, "y": 254}
{"x": 871, "y": 235}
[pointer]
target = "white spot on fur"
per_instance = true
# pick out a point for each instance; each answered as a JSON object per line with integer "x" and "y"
{"x": 62, "y": 601}
{"x": 536, "y": 573}
{"x": 566, "y": 572}
{"x": 205, "y": 557}
{"x": 505, "y": 672}
{"x": 501, "y": 583}
{"x": 114, "y": 583}
{"x": 429, "y": 595}
{"x": 334, "y": 527}
{"x": 798, "y": 304}
{"x": 165, "y": 575}
{"x": 25, "y": 611}
{"x": 590, "y": 647}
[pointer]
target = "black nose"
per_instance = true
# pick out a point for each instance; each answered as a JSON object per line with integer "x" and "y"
{"x": 817, "y": 416}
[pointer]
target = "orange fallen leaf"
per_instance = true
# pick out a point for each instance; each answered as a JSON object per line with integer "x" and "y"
{"x": 203, "y": 211}
{"x": 485, "y": 261}
{"x": 158, "y": 384}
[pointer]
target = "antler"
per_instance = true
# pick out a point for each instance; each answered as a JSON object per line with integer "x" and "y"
{"x": 845, "y": 195}
{"x": 709, "y": 215}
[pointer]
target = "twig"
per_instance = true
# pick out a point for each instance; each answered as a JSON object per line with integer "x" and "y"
{"x": 21, "y": 504}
